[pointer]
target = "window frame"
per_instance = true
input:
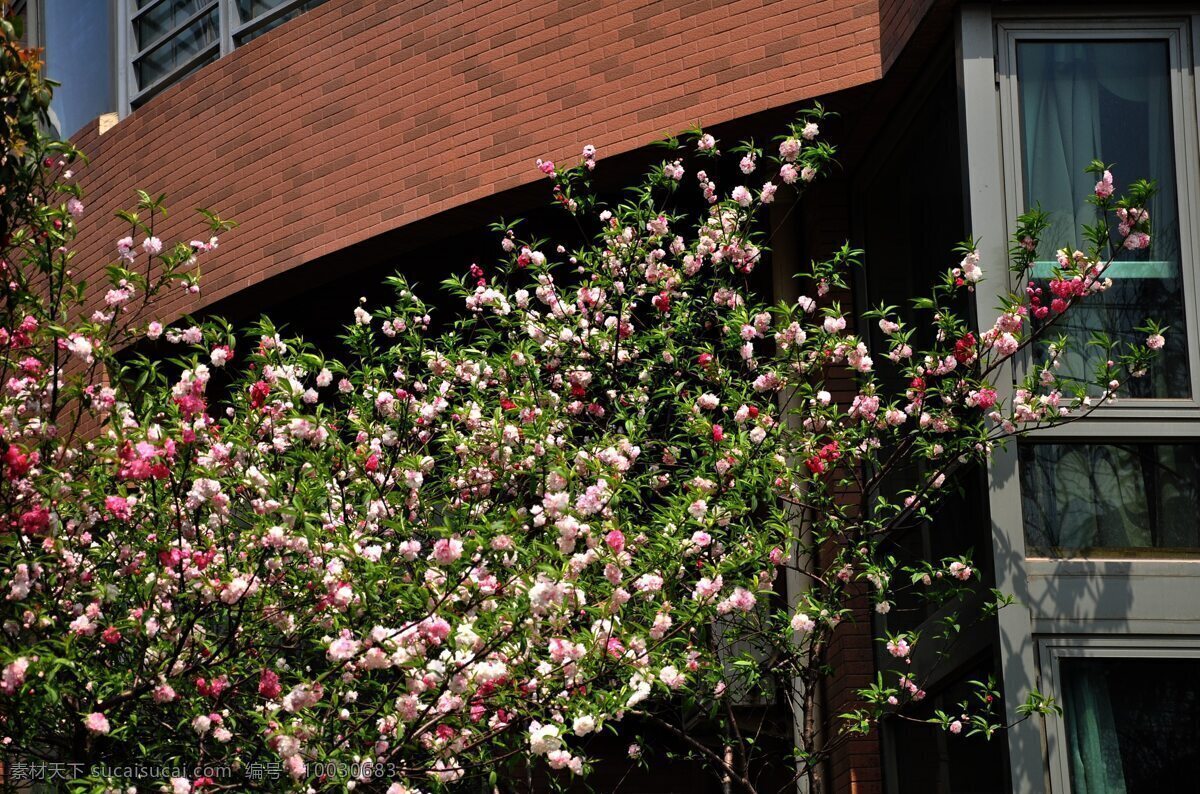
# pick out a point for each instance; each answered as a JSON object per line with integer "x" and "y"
{"x": 1052, "y": 650}
{"x": 1112, "y": 419}
{"x": 1098, "y": 553}
{"x": 139, "y": 93}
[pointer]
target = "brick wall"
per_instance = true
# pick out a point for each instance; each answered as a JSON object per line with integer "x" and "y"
{"x": 362, "y": 117}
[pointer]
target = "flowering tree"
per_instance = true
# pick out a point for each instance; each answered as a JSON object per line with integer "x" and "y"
{"x": 449, "y": 558}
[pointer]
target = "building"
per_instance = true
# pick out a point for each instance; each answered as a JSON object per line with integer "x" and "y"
{"x": 350, "y": 136}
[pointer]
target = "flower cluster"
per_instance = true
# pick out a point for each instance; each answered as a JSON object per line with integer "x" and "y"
{"x": 437, "y": 555}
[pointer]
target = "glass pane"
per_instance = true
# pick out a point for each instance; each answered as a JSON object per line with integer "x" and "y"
{"x": 249, "y": 9}
{"x": 165, "y": 17}
{"x": 1123, "y": 499}
{"x": 1133, "y": 725}
{"x": 178, "y": 49}
{"x": 1107, "y": 100}
{"x": 252, "y": 9}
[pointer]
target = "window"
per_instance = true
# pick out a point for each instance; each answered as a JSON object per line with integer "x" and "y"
{"x": 1078, "y": 91}
{"x": 1132, "y": 724}
{"x": 24, "y": 16}
{"x": 921, "y": 758}
{"x": 172, "y": 38}
{"x": 166, "y": 40}
{"x": 256, "y": 17}
{"x": 1130, "y": 717}
{"x": 1108, "y": 100}
{"x": 1110, "y": 499}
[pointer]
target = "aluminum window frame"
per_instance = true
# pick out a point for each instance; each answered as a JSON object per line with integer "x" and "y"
{"x": 1052, "y": 650}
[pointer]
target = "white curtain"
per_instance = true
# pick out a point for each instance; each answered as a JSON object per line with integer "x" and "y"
{"x": 1107, "y": 100}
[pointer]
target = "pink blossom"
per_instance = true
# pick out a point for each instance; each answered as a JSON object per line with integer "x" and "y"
{"x": 13, "y": 676}
{"x": 670, "y": 676}
{"x": 343, "y": 648}
{"x": 268, "y": 684}
{"x": 740, "y": 600}
{"x": 802, "y": 622}
{"x": 119, "y": 507}
{"x": 97, "y": 723}
{"x": 706, "y": 588}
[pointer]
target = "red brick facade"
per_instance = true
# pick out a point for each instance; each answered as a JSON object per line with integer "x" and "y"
{"x": 360, "y": 117}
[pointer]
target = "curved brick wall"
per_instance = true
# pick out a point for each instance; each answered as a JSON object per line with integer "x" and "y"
{"x": 359, "y": 118}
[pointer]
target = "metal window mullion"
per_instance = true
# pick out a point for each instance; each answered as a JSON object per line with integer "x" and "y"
{"x": 175, "y": 31}
{"x": 227, "y": 15}
{"x": 125, "y": 76}
{"x": 1188, "y": 163}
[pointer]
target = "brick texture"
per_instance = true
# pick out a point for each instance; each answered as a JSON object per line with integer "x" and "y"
{"x": 361, "y": 117}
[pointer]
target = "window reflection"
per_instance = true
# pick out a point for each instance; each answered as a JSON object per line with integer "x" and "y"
{"x": 1119, "y": 498}
{"x": 178, "y": 36}
{"x": 1107, "y": 100}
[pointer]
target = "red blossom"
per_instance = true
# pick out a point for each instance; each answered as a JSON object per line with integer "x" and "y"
{"x": 258, "y": 393}
{"x": 964, "y": 349}
{"x": 17, "y": 463}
